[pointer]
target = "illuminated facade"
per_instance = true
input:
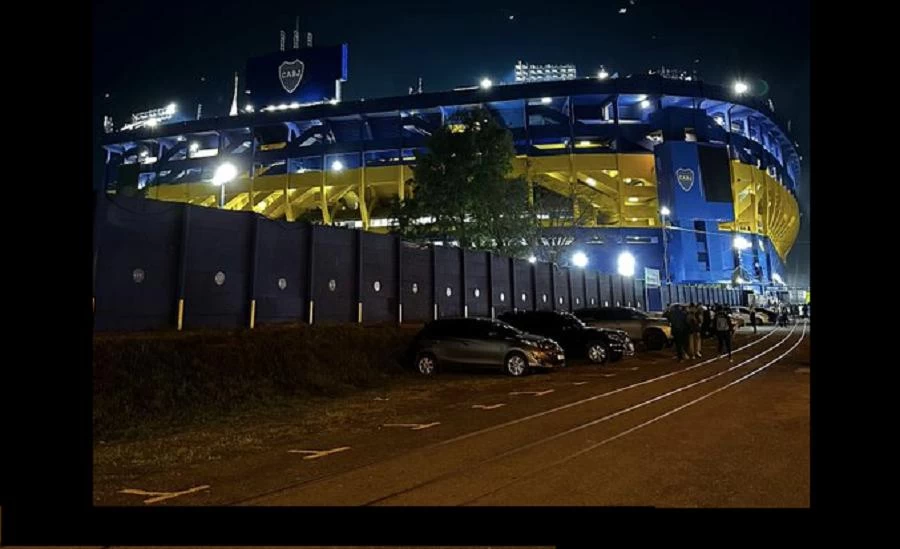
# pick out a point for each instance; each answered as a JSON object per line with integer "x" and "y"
{"x": 722, "y": 166}
{"x": 526, "y": 72}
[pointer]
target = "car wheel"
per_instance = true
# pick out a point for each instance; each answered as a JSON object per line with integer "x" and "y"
{"x": 654, "y": 340}
{"x": 426, "y": 364}
{"x": 515, "y": 365}
{"x": 596, "y": 352}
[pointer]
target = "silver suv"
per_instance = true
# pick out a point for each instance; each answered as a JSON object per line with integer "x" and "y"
{"x": 655, "y": 332}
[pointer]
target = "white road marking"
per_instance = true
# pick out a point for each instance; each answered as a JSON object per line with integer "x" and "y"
{"x": 161, "y": 496}
{"x": 579, "y": 382}
{"x": 382, "y": 399}
{"x": 316, "y": 454}
{"x": 802, "y": 370}
{"x": 597, "y": 396}
{"x": 651, "y": 421}
{"x": 535, "y": 393}
{"x": 413, "y": 426}
{"x": 487, "y": 407}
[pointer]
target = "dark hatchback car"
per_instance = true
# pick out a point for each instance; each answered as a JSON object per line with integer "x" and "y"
{"x": 578, "y": 340}
{"x": 483, "y": 342}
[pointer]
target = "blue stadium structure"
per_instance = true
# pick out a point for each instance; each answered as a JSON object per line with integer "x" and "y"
{"x": 684, "y": 177}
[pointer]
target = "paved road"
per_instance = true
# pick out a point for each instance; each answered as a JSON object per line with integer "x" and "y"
{"x": 646, "y": 431}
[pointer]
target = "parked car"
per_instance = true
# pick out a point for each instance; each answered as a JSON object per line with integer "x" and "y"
{"x": 655, "y": 332}
{"x": 769, "y": 314}
{"x": 483, "y": 342}
{"x": 761, "y": 317}
{"x": 739, "y": 317}
{"x": 578, "y": 339}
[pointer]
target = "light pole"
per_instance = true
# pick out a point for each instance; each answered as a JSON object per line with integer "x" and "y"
{"x": 225, "y": 173}
{"x": 664, "y": 212}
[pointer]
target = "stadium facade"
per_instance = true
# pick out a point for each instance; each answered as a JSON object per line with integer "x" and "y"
{"x": 682, "y": 176}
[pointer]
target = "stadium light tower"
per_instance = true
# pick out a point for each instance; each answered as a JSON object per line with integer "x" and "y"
{"x": 225, "y": 173}
{"x": 741, "y": 87}
{"x": 486, "y": 83}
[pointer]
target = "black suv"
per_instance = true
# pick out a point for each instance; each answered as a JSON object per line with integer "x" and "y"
{"x": 483, "y": 342}
{"x": 597, "y": 344}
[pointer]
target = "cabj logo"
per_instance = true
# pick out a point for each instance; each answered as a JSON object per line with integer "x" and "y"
{"x": 290, "y": 74}
{"x": 685, "y": 178}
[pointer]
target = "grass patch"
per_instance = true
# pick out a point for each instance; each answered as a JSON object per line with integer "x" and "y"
{"x": 146, "y": 381}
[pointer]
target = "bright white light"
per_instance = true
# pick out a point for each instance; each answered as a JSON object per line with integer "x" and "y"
{"x": 623, "y": 10}
{"x": 532, "y": 259}
{"x": 224, "y": 173}
{"x": 248, "y": 108}
{"x": 633, "y": 199}
{"x": 740, "y": 280}
{"x": 486, "y": 83}
{"x": 642, "y": 96}
{"x": 294, "y": 105}
{"x": 602, "y": 75}
{"x": 741, "y": 243}
{"x": 584, "y": 143}
{"x": 152, "y": 122}
{"x": 261, "y": 206}
{"x": 195, "y": 147}
{"x": 144, "y": 154}
{"x": 625, "y": 264}
{"x": 334, "y": 101}
{"x": 337, "y": 166}
{"x": 741, "y": 87}
{"x": 665, "y": 211}
{"x": 762, "y": 246}
{"x": 282, "y": 107}
{"x": 591, "y": 181}
{"x": 777, "y": 278}
{"x": 545, "y": 100}
{"x": 580, "y": 259}
{"x": 645, "y": 104}
{"x": 171, "y": 108}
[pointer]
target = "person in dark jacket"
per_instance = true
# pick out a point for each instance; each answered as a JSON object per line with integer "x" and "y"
{"x": 724, "y": 327}
{"x": 678, "y": 318}
{"x": 707, "y": 322}
{"x": 753, "y": 317}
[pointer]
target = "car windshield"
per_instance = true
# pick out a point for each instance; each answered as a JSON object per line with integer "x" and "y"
{"x": 503, "y": 327}
{"x": 573, "y": 321}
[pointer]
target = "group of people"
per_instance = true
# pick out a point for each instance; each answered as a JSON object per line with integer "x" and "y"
{"x": 786, "y": 312}
{"x": 691, "y": 323}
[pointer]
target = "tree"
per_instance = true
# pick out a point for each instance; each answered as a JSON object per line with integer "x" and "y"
{"x": 556, "y": 216}
{"x": 462, "y": 192}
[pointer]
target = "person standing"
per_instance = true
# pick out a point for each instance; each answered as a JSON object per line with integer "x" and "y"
{"x": 706, "y": 330}
{"x": 678, "y": 320}
{"x": 753, "y": 317}
{"x": 696, "y": 323}
{"x": 724, "y": 327}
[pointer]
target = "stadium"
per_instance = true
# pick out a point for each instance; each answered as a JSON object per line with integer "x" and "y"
{"x": 695, "y": 180}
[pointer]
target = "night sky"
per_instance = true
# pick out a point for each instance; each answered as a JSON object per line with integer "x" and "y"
{"x": 148, "y": 54}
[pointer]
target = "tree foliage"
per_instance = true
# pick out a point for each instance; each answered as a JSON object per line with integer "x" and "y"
{"x": 461, "y": 189}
